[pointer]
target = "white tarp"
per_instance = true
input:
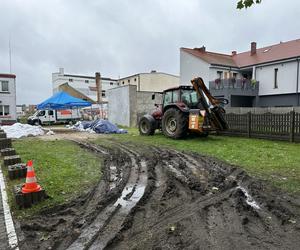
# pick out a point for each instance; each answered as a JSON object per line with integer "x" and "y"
{"x": 19, "y": 130}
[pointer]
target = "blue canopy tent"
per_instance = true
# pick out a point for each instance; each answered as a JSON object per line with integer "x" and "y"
{"x": 63, "y": 100}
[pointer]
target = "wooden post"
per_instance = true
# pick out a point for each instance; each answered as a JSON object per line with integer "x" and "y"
{"x": 292, "y": 126}
{"x": 249, "y": 124}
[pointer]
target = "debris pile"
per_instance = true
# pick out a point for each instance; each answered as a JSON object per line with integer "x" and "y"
{"x": 19, "y": 130}
{"x": 98, "y": 126}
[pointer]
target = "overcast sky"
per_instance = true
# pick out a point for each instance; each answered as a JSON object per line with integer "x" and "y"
{"x": 123, "y": 37}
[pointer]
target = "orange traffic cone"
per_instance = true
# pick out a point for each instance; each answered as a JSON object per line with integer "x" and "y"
{"x": 31, "y": 185}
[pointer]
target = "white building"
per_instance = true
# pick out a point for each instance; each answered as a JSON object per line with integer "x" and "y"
{"x": 86, "y": 85}
{"x": 266, "y": 76}
{"x": 7, "y": 98}
{"x": 153, "y": 81}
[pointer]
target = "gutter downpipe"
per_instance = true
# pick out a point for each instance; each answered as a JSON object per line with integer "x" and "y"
{"x": 297, "y": 85}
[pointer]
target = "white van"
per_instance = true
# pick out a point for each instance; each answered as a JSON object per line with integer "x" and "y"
{"x": 54, "y": 116}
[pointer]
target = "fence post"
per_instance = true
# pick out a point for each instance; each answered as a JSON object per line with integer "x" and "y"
{"x": 292, "y": 126}
{"x": 249, "y": 124}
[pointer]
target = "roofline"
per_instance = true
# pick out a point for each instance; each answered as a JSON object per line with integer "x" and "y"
{"x": 195, "y": 56}
{"x": 179, "y": 87}
{"x": 218, "y": 53}
{"x": 76, "y": 91}
{"x": 268, "y": 46}
{"x": 248, "y": 51}
{"x": 7, "y": 76}
{"x": 270, "y": 62}
{"x": 146, "y": 73}
{"x": 224, "y": 65}
{"x": 86, "y": 77}
{"x": 213, "y": 64}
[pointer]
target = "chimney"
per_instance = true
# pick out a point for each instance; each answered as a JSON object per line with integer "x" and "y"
{"x": 61, "y": 71}
{"x": 253, "y": 48}
{"x": 233, "y": 53}
{"x": 98, "y": 87}
{"x": 202, "y": 49}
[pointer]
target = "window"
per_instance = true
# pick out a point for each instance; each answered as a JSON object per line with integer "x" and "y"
{"x": 276, "y": 78}
{"x": 4, "y": 86}
{"x": 189, "y": 97}
{"x": 175, "y": 96}
{"x": 123, "y": 82}
{"x": 70, "y": 80}
{"x": 86, "y": 81}
{"x": 168, "y": 98}
{"x": 111, "y": 83}
{"x": 41, "y": 113}
{"x": 4, "y": 110}
{"x": 171, "y": 97}
{"x": 103, "y": 93}
{"x": 135, "y": 79}
{"x": 128, "y": 80}
{"x": 50, "y": 112}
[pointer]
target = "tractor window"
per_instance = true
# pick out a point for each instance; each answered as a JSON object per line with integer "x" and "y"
{"x": 194, "y": 97}
{"x": 175, "y": 96}
{"x": 189, "y": 97}
{"x": 168, "y": 98}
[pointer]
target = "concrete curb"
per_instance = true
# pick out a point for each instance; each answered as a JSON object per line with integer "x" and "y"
{"x": 9, "y": 224}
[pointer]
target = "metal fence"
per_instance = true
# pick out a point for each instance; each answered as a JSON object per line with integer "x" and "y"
{"x": 276, "y": 126}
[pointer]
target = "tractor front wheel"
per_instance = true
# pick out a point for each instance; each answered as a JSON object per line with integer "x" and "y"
{"x": 174, "y": 123}
{"x": 147, "y": 125}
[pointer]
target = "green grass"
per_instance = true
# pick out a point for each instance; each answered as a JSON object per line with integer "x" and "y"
{"x": 277, "y": 162}
{"x": 62, "y": 168}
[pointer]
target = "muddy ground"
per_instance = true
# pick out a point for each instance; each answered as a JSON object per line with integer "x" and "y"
{"x": 152, "y": 198}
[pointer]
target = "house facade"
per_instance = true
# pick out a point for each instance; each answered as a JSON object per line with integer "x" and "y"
{"x": 261, "y": 77}
{"x": 7, "y": 98}
{"x": 81, "y": 86}
{"x": 153, "y": 81}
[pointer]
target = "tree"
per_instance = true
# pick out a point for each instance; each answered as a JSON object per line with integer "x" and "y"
{"x": 246, "y": 3}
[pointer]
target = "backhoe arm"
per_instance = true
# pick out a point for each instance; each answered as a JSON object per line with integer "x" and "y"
{"x": 215, "y": 114}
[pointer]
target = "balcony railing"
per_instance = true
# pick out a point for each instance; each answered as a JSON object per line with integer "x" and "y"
{"x": 234, "y": 87}
{"x": 234, "y": 84}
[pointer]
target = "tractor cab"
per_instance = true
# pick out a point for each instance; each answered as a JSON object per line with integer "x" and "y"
{"x": 183, "y": 96}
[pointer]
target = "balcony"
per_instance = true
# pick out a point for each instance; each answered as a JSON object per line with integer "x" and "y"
{"x": 236, "y": 87}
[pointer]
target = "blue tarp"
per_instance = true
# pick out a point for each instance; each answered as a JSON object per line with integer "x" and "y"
{"x": 62, "y": 100}
{"x": 102, "y": 127}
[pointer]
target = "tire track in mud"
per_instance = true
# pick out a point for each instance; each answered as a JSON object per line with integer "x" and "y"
{"x": 109, "y": 222}
{"x": 153, "y": 198}
{"x": 211, "y": 208}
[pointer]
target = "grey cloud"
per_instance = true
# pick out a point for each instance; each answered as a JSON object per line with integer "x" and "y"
{"x": 120, "y": 37}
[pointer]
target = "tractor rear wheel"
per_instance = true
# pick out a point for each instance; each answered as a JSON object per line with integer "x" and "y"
{"x": 147, "y": 125}
{"x": 175, "y": 123}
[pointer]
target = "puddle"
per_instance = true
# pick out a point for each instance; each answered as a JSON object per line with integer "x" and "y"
{"x": 249, "y": 199}
{"x": 126, "y": 202}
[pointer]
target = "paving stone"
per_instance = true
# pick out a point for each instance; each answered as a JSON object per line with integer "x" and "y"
{"x": 5, "y": 143}
{"x": 2, "y": 135}
{"x": 7, "y": 152}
